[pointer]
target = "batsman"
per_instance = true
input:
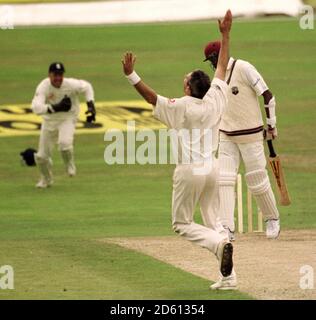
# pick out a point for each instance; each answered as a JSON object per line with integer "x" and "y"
{"x": 57, "y": 101}
{"x": 242, "y": 135}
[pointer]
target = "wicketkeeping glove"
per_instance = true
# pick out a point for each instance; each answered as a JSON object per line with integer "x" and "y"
{"x": 63, "y": 106}
{"x": 91, "y": 112}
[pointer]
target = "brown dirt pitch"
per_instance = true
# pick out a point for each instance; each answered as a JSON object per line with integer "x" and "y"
{"x": 266, "y": 269}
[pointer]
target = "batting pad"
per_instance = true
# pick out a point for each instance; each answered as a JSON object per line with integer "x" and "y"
{"x": 259, "y": 185}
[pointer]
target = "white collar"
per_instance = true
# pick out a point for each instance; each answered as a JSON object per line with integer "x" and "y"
{"x": 230, "y": 62}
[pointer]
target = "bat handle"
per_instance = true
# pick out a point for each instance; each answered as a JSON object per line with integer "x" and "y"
{"x": 271, "y": 149}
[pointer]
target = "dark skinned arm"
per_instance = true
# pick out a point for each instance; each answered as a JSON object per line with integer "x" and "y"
{"x": 267, "y": 96}
{"x": 224, "y": 27}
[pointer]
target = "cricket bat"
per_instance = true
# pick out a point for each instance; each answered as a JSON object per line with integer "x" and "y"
{"x": 277, "y": 170}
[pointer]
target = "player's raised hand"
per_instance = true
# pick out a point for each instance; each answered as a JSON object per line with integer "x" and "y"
{"x": 128, "y": 63}
{"x": 226, "y": 24}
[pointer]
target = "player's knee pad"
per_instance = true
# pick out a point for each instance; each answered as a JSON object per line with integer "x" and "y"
{"x": 227, "y": 179}
{"x": 39, "y": 159}
{"x": 65, "y": 145}
{"x": 227, "y": 171}
{"x": 258, "y": 181}
{"x": 227, "y": 163}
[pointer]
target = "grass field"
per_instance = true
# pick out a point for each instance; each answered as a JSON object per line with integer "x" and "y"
{"x": 310, "y": 2}
{"x": 50, "y": 236}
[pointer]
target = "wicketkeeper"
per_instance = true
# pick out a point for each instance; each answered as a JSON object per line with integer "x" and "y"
{"x": 57, "y": 101}
{"x": 242, "y": 134}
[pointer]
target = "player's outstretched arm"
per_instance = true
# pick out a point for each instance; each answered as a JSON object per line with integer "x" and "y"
{"x": 224, "y": 27}
{"x": 145, "y": 91}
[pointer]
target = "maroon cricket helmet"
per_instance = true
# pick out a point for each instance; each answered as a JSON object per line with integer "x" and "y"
{"x": 212, "y": 48}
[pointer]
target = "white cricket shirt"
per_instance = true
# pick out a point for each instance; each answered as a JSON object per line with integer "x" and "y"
{"x": 195, "y": 121}
{"x": 242, "y": 120}
{"x": 46, "y": 94}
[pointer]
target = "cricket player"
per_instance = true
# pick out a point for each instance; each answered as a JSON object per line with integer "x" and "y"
{"x": 242, "y": 134}
{"x": 57, "y": 101}
{"x": 196, "y": 181}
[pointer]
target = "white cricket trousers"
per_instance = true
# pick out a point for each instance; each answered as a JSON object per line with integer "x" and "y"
{"x": 189, "y": 189}
{"x": 53, "y": 131}
{"x": 256, "y": 176}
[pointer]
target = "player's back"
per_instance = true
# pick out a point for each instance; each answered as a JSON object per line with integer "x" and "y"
{"x": 196, "y": 122}
{"x": 202, "y": 120}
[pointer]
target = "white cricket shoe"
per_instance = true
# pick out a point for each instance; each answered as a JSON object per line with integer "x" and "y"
{"x": 225, "y": 283}
{"x": 225, "y": 257}
{"x": 68, "y": 158}
{"x": 43, "y": 183}
{"x": 273, "y": 228}
{"x": 71, "y": 170}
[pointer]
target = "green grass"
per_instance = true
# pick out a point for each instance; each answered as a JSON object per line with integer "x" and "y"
{"x": 49, "y": 236}
{"x": 310, "y": 2}
{"x": 81, "y": 269}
